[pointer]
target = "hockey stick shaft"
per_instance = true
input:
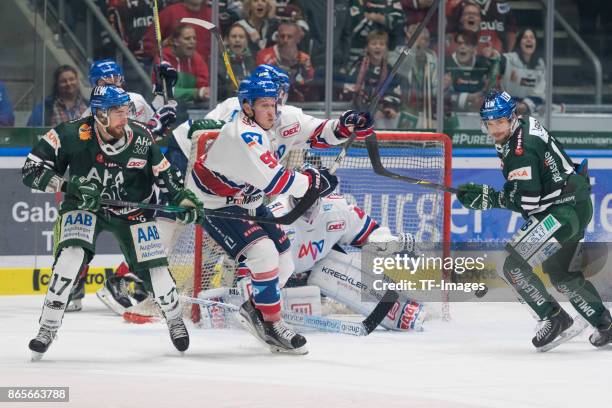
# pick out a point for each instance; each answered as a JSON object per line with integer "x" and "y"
{"x": 377, "y": 166}
{"x": 309, "y": 198}
{"x": 207, "y": 25}
{"x": 383, "y": 87}
{"x": 298, "y": 319}
{"x": 159, "y": 45}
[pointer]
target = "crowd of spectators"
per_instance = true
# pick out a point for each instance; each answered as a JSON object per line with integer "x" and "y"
{"x": 482, "y": 44}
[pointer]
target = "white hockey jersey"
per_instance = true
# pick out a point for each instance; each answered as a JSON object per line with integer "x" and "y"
{"x": 293, "y": 130}
{"x": 143, "y": 112}
{"x": 240, "y": 167}
{"x": 337, "y": 223}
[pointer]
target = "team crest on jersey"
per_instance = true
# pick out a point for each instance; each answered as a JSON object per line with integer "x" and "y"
{"x": 290, "y": 130}
{"x": 251, "y": 138}
{"x": 84, "y": 132}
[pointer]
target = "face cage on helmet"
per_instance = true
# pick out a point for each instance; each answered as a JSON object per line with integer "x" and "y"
{"x": 116, "y": 80}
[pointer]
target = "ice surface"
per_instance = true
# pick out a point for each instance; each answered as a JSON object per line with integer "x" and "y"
{"x": 482, "y": 358}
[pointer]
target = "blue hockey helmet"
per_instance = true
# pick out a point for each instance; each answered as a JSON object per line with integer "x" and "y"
{"x": 105, "y": 69}
{"x": 105, "y": 97}
{"x": 278, "y": 76}
{"x": 497, "y": 105}
{"x": 255, "y": 87}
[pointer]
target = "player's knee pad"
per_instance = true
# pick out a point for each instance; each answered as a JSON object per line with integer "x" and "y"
{"x": 262, "y": 257}
{"x": 164, "y": 291}
{"x": 285, "y": 267}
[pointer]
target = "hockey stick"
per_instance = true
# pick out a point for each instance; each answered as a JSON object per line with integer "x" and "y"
{"x": 362, "y": 328}
{"x": 383, "y": 87}
{"x": 159, "y": 45}
{"x": 377, "y": 166}
{"x": 213, "y": 29}
{"x": 304, "y": 204}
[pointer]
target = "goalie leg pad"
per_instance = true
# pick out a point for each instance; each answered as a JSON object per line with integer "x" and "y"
{"x": 65, "y": 271}
{"x": 339, "y": 276}
{"x": 262, "y": 259}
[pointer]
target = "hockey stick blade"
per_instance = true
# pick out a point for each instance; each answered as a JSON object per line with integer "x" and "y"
{"x": 377, "y": 166}
{"x": 380, "y": 311}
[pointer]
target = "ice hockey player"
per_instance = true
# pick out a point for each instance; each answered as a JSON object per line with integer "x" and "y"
{"x": 108, "y": 72}
{"x": 320, "y": 260}
{"x": 553, "y": 195}
{"x": 239, "y": 185}
{"x": 109, "y": 156}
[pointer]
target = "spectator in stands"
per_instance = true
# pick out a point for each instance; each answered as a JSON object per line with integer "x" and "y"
{"x": 64, "y": 104}
{"x": 170, "y": 19}
{"x": 230, "y": 11}
{"x": 241, "y": 60}
{"x": 7, "y": 117}
{"x": 192, "y": 85}
{"x": 260, "y": 23}
{"x": 468, "y": 75}
{"x": 290, "y": 10}
{"x": 523, "y": 73}
{"x": 287, "y": 56}
{"x": 493, "y": 20}
{"x": 367, "y": 75}
{"x": 368, "y": 16}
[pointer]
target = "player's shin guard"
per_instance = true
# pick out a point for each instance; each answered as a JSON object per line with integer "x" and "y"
{"x": 65, "y": 271}
{"x": 529, "y": 286}
{"x": 266, "y": 294}
{"x": 166, "y": 296}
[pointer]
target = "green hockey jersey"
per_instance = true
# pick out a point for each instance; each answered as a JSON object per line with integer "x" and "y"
{"x": 537, "y": 170}
{"x": 127, "y": 173}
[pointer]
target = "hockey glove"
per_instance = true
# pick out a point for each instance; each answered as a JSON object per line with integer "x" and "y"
{"x": 163, "y": 118}
{"x": 479, "y": 197}
{"x": 87, "y": 193}
{"x": 186, "y": 198}
{"x": 360, "y": 122}
{"x": 321, "y": 179}
{"x": 167, "y": 73}
{"x": 204, "y": 125}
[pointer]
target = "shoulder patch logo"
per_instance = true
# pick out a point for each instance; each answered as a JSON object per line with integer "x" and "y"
{"x": 52, "y": 138}
{"x": 536, "y": 129}
{"x": 522, "y": 173}
{"x": 84, "y": 132}
{"x": 251, "y": 138}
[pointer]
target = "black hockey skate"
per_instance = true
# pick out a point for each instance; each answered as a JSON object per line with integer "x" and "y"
{"x": 178, "y": 333}
{"x": 274, "y": 335}
{"x": 552, "y": 326}
{"x": 603, "y": 334}
{"x": 41, "y": 343}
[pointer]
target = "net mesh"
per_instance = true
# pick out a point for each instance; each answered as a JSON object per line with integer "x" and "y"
{"x": 198, "y": 263}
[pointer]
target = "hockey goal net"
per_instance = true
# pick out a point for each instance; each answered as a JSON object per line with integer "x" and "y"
{"x": 198, "y": 263}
